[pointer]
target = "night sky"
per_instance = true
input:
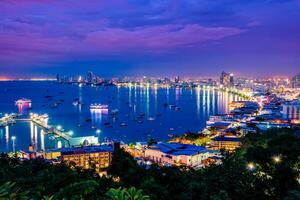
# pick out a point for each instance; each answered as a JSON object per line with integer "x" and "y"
{"x": 149, "y": 37}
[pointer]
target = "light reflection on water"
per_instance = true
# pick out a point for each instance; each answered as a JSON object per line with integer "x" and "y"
{"x": 195, "y": 107}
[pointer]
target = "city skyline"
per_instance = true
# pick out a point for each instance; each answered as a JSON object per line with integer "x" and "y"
{"x": 153, "y": 38}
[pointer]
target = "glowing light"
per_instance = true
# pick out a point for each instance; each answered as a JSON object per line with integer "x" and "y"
{"x": 59, "y": 144}
{"x": 58, "y": 127}
{"x": 13, "y": 137}
{"x": 71, "y": 133}
{"x": 277, "y": 159}
{"x": 251, "y": 166}
{"x": 98, "y": 131}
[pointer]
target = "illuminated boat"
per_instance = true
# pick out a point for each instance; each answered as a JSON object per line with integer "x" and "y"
{"x": 23, "y": 101}
{"x": 98, "y": 107}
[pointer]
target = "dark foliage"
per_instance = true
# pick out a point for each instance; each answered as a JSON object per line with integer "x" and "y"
{"x": 267, "y": 179}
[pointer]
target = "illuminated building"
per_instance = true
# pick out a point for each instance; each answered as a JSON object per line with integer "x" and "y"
{"x": 97, "y": 157}
{"x": 296, "y": 81}
{"x": 236, "y": 104}
{"x": 178, "y": 154}
{"x": 228, "y": 142}
{"x": 226, "y": 79}
{"x": 91, "y": 78}
{"x": 291, "y": 110}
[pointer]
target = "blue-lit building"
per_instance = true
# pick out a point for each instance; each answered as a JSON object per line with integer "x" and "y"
{"x": 179, "y": 154}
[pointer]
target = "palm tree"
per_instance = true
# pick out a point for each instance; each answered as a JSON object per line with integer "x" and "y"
{"x": 127, "y": 194}
{"x": 9, "y": 191}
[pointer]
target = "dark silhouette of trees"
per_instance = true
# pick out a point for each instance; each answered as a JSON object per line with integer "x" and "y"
{"x": 265, "y": 167}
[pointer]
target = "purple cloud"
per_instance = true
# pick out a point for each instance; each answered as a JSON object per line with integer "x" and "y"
{"x": 45, "y": 32}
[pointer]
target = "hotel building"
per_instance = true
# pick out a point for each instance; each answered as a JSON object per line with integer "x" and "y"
{"x": 178, "y": 154}
{"x": 97, "y": 157}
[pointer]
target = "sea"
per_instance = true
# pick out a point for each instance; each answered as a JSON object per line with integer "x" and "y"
{"x": 142, "y": 112}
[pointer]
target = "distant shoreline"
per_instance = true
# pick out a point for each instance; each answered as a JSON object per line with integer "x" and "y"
{"x": 33, "y": 79}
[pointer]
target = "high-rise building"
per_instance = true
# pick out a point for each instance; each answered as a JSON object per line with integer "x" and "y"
{"x": 57, "y": 78}
{"x": 91, "y": 77}
{"x": 291, "y": 110}
{"x": 177, "y": 79}
{"x": 226, "y": 79}
{"x": 296, "y": 81}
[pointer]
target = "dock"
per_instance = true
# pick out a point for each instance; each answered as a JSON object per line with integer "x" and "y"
{"x": 42, "y": 121}
{"x": 39, "y": 120}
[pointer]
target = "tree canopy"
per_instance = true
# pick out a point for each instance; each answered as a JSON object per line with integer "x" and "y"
{"x": 265, "y": 167}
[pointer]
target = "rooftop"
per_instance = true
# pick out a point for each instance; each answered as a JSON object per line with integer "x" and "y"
{"x": 226, "y": 139}
{"x": 86, "y": 149}
{"x": 179, "y": 149}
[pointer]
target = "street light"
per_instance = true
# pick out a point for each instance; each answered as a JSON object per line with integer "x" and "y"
{"x": 58, "y": 127}
{"x": 14, "y": 145}
{"x": 251, "y": 166}
{"x": 98, "y": 131}
{"x": 277, "y": 159}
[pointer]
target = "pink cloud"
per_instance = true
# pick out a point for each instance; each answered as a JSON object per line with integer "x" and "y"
{"x": 108, "y": 41}
{"x": 158, "y": 38}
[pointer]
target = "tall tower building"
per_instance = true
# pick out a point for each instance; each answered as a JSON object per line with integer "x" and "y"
{"x": 226, "y": 79}
{"x": 296, "y": 81}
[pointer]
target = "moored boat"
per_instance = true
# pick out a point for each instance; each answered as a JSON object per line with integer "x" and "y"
{"x": 98, "y": 107}
{"x": 23, "y": 101}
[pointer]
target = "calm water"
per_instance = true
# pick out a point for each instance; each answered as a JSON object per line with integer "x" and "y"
{"x": 196, "y": 105}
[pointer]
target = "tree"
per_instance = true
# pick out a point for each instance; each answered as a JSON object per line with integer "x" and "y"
{"x": 127, "y": 194}
{"x": 9, "y": 191}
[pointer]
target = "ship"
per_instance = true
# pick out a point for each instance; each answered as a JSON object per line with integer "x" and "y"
{"x": 23, "y": 101}
{"x": 98, "y": 107}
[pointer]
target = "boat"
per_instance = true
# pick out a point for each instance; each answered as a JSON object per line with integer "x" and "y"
{"x": 123, "y": 124}
{"x": 23, "y": 101}
{"x": 98, "y": 107}
{"x": 172, "y": 106}
{"x": 76, "y": 103}
{"x": 177, "y": 108}
{"x": 114, "y": 111}
{"x": 151, "y": 118}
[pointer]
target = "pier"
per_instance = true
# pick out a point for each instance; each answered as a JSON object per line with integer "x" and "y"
{"x": 42, "y": 121}
{"x": 39, "y": 120}
{"x": 8, "y": 120}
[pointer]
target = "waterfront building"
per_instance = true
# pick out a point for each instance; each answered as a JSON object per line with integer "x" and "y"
{"x": 226, "y": 79}
{"x": 291, "y": 110}
{"x": 91, "y": 77}
{"x": 97, "y": 157}
{"x": 83, "y": 141}
{"x": 242, "y": 104}
{"x": 178, "y": 154}
{"x": 228, "y": 142}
